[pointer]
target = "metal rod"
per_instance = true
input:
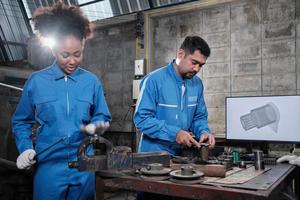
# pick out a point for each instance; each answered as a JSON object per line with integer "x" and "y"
{"x": 50, "y": 146}
{"x": 8, "y": 163}
{"x": 25, "y": 16}
{"x": 88, "y": 3}
{"x": 11, "y": 86}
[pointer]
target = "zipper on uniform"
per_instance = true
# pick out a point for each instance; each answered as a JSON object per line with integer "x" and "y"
{"x": 68, "y": 103}
{"x": 68, "y": 106}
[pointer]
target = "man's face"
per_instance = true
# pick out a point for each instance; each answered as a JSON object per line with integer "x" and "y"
{"x": 189, "y": 64}
{"x": 68, "y": 53}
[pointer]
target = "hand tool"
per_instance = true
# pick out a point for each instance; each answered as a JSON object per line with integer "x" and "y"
{"x": 32, "y": 156}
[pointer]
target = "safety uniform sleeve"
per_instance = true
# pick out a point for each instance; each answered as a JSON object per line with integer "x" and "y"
{"x": 23, "y": 120}
{"x": 100, "y": 110}
{"x": 200, "y": 122}
{"x": 145, "y": 115}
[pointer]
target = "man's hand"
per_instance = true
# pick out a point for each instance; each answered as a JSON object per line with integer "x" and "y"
{"x": 184, "y": 137}
{"x": 209, "y": 139}
{"x": 26, "y": 159}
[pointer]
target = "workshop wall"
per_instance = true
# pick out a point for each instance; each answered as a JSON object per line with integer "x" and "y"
{"x": 9, "y": 99}
{"x": 255, "y": 48}
{"x": 110, "y": 55}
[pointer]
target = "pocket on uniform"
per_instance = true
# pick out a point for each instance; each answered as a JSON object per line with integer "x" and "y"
{"x": 45, "y": 108}
{"x": 83, "y": 108}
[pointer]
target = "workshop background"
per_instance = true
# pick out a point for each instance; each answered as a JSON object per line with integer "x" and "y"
{"x": 255, "y": 52}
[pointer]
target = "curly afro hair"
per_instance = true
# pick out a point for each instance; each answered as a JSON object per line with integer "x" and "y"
{"x": 61, "y": 20}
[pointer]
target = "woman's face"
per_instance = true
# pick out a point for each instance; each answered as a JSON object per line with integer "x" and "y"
{"x": 69, "y": 53}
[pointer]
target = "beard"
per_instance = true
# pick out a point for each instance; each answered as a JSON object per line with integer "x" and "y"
{"x": 188, "y": 75}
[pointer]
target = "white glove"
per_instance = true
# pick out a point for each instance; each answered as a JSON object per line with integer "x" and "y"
{"x": 91, "y": 128}
{"x": 295, "y": 161}
{"x": 26, "y": 159}
{"x": 103, "y": 126}
{"x": 286, "y": 158}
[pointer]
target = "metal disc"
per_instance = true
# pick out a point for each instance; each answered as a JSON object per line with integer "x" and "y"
{"x": 164, "y": 171}
{"x": 177, "y": 174}
{"x": 186, "y": 181}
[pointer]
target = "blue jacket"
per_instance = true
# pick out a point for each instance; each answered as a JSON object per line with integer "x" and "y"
{"x": 60, "y": 105}
{"x": 166, "y": 104}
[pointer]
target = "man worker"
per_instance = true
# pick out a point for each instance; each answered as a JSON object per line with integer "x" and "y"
{"x": 171, "y": 102}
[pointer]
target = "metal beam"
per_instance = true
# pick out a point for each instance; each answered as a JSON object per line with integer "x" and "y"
{"x": 88, "y": 3}
{"x": 3, "y": 50}
{"x": 150, "y": 4}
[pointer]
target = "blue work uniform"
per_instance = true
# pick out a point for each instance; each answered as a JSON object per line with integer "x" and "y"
{"x": 166, "y": 104}
{"x": 59, "y": 104}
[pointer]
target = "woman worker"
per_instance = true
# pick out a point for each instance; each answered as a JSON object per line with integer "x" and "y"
{"x": 60, "y": 99}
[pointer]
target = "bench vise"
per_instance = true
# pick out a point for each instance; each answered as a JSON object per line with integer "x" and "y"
{"x": 113, "y": 160}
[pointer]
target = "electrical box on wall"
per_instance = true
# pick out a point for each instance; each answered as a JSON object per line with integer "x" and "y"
{"x": 139, "y": 67}
{"x": 136, "y": 88}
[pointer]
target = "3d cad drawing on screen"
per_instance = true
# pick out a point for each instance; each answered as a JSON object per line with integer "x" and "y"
{"x": 266, "y": 115}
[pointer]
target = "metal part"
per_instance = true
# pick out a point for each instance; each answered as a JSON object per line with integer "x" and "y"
{"x": 186, "y": 172}
{"x": 204, "y": 151}
{"x": 181, "y": 160}
{"x": 270, "y": 161}
{"x": 155, "y": 169}
{"x": 11, "y": 86}
{"x": 92, "y": 163}
{"x": 195, "y": 154}
{"x": 226, "y": 160}
{"x": 259, "y": 160}
{"x": 114, "y": 160}
{"x": 203, "y": 144}
{"x": 8, "y": 164}
{"x": 210, "y": 170}
{"x": 242, "y": 164}
{"x": 265, "y": 180}
{"x": 49, "y": 147}
{"x": 186, "y": 181}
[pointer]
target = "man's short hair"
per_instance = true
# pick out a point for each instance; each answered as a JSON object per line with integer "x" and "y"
{"x": 193, "y": 43}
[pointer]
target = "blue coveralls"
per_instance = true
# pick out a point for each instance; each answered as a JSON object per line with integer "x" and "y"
{"x": 60, "y": 105}
{"x": 166, "y": 104}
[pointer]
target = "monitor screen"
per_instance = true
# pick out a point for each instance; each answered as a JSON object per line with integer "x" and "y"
{"x": 263, "y": 118}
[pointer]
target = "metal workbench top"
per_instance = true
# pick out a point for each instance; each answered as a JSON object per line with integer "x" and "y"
{"x": 271, "y": 182}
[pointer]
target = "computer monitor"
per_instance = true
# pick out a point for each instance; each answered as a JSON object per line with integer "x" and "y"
{"x": 263, "y": 118}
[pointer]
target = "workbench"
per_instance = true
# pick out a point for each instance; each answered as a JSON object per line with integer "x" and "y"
{"x": 277, "y": 179}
